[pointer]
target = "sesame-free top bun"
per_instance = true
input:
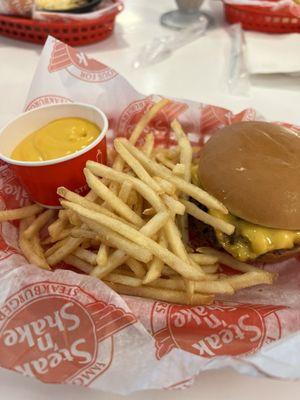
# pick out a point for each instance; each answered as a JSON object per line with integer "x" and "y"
{"x": 254, "y": 169}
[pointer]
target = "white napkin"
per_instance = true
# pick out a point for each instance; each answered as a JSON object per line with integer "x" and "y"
{"x": 272, "y": 53}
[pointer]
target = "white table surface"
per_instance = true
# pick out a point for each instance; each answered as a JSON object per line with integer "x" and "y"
{"x": 195, "y": 72}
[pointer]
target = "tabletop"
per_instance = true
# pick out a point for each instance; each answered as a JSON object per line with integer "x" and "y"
{"x": 197, "y": 71}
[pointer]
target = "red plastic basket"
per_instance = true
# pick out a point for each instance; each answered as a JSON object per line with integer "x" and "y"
{"x": 74, "y": 33}
{"x": 262, "y": 19}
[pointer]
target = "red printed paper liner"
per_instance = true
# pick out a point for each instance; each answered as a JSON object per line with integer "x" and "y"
{"x": 65, "y": 327}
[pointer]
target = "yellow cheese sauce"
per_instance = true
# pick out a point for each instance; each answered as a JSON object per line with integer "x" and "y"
{"x": 59, "y": 138}
{"x": 250, "y": 241}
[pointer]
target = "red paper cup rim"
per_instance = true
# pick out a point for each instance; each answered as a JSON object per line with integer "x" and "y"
{"x": 99, "y": 138}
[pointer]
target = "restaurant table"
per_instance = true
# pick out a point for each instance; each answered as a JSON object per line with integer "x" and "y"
{"x": 197, "y": 72}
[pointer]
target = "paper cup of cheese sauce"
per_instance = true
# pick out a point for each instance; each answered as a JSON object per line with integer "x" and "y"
{"x": 42, "y": 178}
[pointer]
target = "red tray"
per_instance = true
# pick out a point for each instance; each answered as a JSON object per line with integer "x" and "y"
{"x": 262, "y": 19}
{"x": 73, "y": 33}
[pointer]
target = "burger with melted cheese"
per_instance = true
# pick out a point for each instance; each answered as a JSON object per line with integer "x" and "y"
{"x": 253, "y": 168}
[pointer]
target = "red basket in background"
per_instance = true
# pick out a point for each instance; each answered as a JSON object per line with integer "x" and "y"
{"x": 262, "y": 19}
{"x": 74, "y": 33}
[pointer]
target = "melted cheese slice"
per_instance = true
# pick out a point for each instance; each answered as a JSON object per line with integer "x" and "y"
{"x": 250, "y": 241}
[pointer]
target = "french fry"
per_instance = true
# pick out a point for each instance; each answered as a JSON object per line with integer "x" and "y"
{"x": 148, "y": 144}
{"x": 20, "y": 213}
{"x": 134, "y": 235}
{"x": 250, "y": 279}
{"x": 136, "y": 267}
{"x": 119, "y": 257}
{"x": 55, "y": 247}
{"x": 165, "y": 161}
{"x": 231, "y": 262}
{"x": 28, "y": 250}
{"x": 186, "y": 187}
{"x": 179, "y": 170}
{"x": 166, "y": 186}
{"x": 79, "y": 263}
{"x": 102, "y": 255}
{"x": 172, "y": 296}
{"x": 174, "y": 205}
{"x": 204, "y": 259}
{"x": 115, "y": 203}
{"x": 86, "y": 255}
{"x": 70, "y": 245}
{"x": 125, "y": 190}
{"x": 113, "y": 239}
{"x": 83, "y": 201}
{"x": 136, "y": 166}
{"x": 156, "y": 265}
{"x": 207, "y": 287}
{"x": 56, "y": 227}
{"x": 139, "y": 128}
{"x": 37, "y": 247}
{"x": 38, "y": 223}
{"x": 186, "y": 152}
{"x": 216, "y": 223}
{"x": 145, "y": 191}
{"x": 124, "y": 279}
{"x": 82, "y": 233}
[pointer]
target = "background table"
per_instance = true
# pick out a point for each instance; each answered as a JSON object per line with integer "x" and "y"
{"x": 197, "y": 72}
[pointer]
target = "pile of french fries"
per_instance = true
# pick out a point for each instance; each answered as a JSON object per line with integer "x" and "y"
{"x": 131, "y": 229}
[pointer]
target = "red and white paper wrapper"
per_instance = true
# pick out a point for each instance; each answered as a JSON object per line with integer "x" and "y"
{"x": 63, "y": 327}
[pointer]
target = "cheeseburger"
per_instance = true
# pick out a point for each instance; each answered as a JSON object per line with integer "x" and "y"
{"x": 253, "y": 168}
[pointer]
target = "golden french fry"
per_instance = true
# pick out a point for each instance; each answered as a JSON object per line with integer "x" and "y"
{"x": 125, "y": 190}
{"x": 156, "y": 265}
{"x": 210, "y": 269}
{"x": 119, "y": 257}
{"x": 113, "y": 239}
{"x": 83, "y": 201}
{"x": 70, "y": 245}
{"x": 79, "y": 263}
{"x": 136, "y": 267}
{"x": 250, "y": 279}
{"x": 56, "y": 227}
{"x": 115, "y": 203}
{"x": 186, "y": 187}
{"x": 179, "y": 170}
{"x": 134, "y": 235}
{"x": 186, "y": 151}
{"x": 166, "y": 186}
{"x": 165, "y": 161}
{"x": 228, "y": 260}
{"x": 172, "y": 296}
{"x": 123, "y": 279}
{"x": 145, "y": 191}
{"x": 174, "y": 205}
{"x": 148, "y": 144}
{"x": 82, "y": 233}
{"x": 86, "y": 255}
{"x": 135, "y": 165}
{"x": 204, "y": 259}
{"x": 38, "y": 223}
{"x": 216, "y": 223}
{"x": 139, "y": 128}
{"x": 20, "y": 213}
{"x": 37, "y": 247}
{"x": 28, "y": 250}
{"x": 55, "y": 247}
{"x": 207, "y": 287}
{"x": 102, "y": 255}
